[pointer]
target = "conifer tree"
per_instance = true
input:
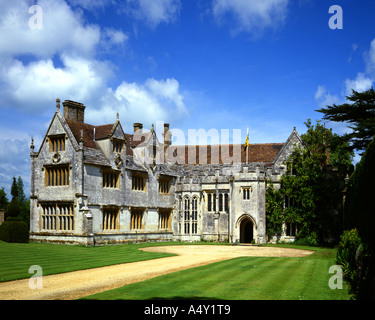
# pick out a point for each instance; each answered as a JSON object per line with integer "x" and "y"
{"x": 359, "y": 114}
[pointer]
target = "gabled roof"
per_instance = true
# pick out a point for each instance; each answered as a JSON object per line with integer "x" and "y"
{"x": 101, "y": 132}
{"x": 284, "y": 153}
{"x": 267, "y": 153}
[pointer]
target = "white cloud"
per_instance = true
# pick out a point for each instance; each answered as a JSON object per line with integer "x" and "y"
{"x": 60, "y": 61}
{"x": 115, "y": 36}
{"x": 63, "y": 30}
{"x": 252, "y": 15}
{"x": 14, "y": 161}
{"x": 155, "y": 11}
{"x": 30, "y": 87}
{"x": 149, "y": 102}
{"x": 370, "y": 62}
{"x": 324, "y": 98}
{"x": 360, "y": 83}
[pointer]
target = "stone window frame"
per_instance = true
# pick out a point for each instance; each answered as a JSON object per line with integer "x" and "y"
{"x": 165, "y": 219}
{"x": 118, "y": 145}
{"x": 211, "y": 201}
{"x": 246, "y": 191}
{"x": 139, "y": 182}
{"x": 110, "y": 218}
{"x": 165, "y": 185}
{"x": 223, "y": 202}
{"x": 137, "y": 218}
{"x": 291, "y": 229}
{"x": 187, "y": 211}
{"x": 57, "y": 175}
{"x": 111, "y": 179}
{"x": 57, "y": 216}
{"x": 194, "y": 214}
{"x": 190, "y": 213}
{"x": 57, "y": 142}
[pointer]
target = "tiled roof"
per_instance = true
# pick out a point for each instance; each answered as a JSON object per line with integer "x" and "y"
{"x": 95, "y": 156}
{"x": 226, "y": 154}
{"x": 101, "y": 132}
{"x": 199, "y": 154}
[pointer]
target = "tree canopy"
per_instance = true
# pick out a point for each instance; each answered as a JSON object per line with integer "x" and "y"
{"x": 310, "y": 190}
{"x": 19, "y": 206}
{"x": 3, "y": 198}
{"x": 359, "y": 114}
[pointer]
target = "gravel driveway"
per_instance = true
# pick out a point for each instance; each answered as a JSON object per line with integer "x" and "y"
{"x": 77, "y": 284}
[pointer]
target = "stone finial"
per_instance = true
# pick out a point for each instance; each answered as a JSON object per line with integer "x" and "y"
{"x": 81, "y": 138}
{"x": 32, "y": 143}
{"x": 117, "y": 116}
{"x": 58, "y": 104}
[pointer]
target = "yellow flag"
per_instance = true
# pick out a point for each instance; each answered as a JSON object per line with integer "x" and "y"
{"x": 247, "y": 139}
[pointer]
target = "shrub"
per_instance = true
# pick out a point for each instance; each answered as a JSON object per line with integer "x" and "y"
{"x": 352, "y": 256}
{"x": 346, "y": 252}
{"x": 13, "y": 209}
{"x": 14, "y": 230}
{"x": 310, "y": 240}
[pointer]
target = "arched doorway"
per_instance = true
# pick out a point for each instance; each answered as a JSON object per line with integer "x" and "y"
{"x": 246, "y": 231}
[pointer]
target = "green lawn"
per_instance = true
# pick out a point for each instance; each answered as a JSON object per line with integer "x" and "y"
{"x": 16, "y": 258}
{"x": 240, "y": 278}
{"x": 244, "y": 278}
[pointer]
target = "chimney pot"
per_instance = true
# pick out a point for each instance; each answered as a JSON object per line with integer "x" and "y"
{"x": 74, "y": 110}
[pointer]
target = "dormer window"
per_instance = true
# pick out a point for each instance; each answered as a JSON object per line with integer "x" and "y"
{"x": 117, "y": 146}
{"x": 57, "y": 143}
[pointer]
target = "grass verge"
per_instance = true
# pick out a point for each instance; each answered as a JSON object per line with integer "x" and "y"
{"x": 245, "y": 278}
{"x": 16, "y": 258}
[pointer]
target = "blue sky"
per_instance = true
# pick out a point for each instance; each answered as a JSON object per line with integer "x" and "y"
{"x": 212, "y": 64}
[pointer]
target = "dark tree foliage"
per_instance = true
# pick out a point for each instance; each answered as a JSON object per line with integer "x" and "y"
{"x": 14, "y": 189}
{"x": 360, "y": 204}
{"x": 310, "y": 190}
{"x": 3, "y": 199}
{"x": 359, "y": 114}
{"x": 19, "y": 206}
{"x": 14, "y": 208}
{"x": 359, "y": 213}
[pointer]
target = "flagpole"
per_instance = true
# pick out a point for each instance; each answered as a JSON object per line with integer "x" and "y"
{"x": 247, "y": 149}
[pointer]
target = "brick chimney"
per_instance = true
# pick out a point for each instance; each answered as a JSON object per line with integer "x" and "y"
{"x": 138, "y": 127}
{"x": 167, "y": 135}
{"x": 74, "y": 110}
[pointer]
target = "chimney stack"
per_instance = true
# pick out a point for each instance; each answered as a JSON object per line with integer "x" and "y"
{"x": 167, "y": 135}
{"x": 74, "y": 110}
{"x": 138, "y": 127}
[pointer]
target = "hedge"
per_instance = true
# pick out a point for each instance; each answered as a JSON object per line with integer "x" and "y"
{"x": 14, "y": 230}
{"x": 359, "y": 214}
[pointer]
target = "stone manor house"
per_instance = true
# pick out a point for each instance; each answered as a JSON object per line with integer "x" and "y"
{"x": 97, "y": 185}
